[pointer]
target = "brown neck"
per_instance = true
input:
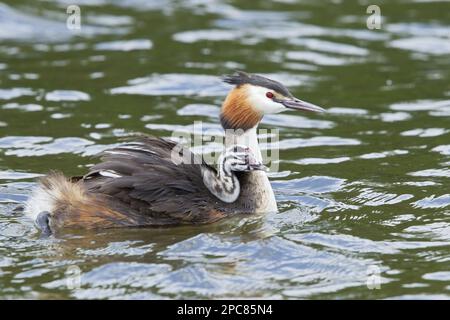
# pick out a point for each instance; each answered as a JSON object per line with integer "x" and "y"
{"x": 237, "y": 113}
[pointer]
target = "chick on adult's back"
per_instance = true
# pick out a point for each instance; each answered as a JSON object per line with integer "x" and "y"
{"x": 156, "y": 182}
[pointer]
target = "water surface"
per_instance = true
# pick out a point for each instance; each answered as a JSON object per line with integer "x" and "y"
{"x": 362, "y": 190}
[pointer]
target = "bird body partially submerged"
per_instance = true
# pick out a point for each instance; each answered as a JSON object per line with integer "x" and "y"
{"x": 148, "y": 182}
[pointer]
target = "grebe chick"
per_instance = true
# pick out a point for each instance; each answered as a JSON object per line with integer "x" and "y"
{"x": 145, "y": 183}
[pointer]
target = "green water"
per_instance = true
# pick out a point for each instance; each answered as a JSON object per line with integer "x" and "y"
{"x": 362, "y": 189}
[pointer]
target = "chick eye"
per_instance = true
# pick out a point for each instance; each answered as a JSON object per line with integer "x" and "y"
{"x": 269, "y": 95}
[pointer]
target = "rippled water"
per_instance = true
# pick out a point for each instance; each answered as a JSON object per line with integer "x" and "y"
{"x": 362, "y": 189}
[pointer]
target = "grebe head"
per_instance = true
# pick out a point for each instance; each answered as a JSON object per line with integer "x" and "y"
{"x": 253, "y": 96}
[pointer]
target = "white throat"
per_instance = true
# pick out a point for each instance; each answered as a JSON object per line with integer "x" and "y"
{"x": 257, "y": 185}
{"x": 247, "y": 138}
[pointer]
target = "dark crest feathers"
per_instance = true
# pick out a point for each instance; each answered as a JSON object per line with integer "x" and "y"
{"x": 239, "y": 78}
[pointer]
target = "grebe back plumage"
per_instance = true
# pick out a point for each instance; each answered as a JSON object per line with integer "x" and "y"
{"x": 145, "y": 183}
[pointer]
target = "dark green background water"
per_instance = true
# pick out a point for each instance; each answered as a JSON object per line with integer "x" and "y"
{"x": 361, "y": 189}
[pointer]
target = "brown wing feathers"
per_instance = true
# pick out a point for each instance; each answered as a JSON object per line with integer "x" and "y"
{"x": 149, "y": 182}
{"x": 136, "y": 184}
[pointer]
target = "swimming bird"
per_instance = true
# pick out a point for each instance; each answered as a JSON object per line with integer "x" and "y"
{"x": 148, "y": 182}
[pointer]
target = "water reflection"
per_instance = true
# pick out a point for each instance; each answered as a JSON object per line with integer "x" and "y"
{"x": 363, "y": 185}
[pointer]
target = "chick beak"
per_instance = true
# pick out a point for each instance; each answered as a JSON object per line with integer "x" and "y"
{"x": 253, "y": 164}
{"x": 297, "y": 104}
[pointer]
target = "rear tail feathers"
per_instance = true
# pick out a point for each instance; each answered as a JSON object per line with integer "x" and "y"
{"x": 51, "y": 190}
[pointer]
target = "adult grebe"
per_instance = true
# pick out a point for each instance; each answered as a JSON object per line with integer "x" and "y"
{"x": 148, "y": 182}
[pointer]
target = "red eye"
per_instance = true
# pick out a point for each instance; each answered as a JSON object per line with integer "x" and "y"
{"x": 269, "y": 95}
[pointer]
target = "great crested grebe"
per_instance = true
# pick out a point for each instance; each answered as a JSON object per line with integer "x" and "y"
{"x": 144, "y": 183}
